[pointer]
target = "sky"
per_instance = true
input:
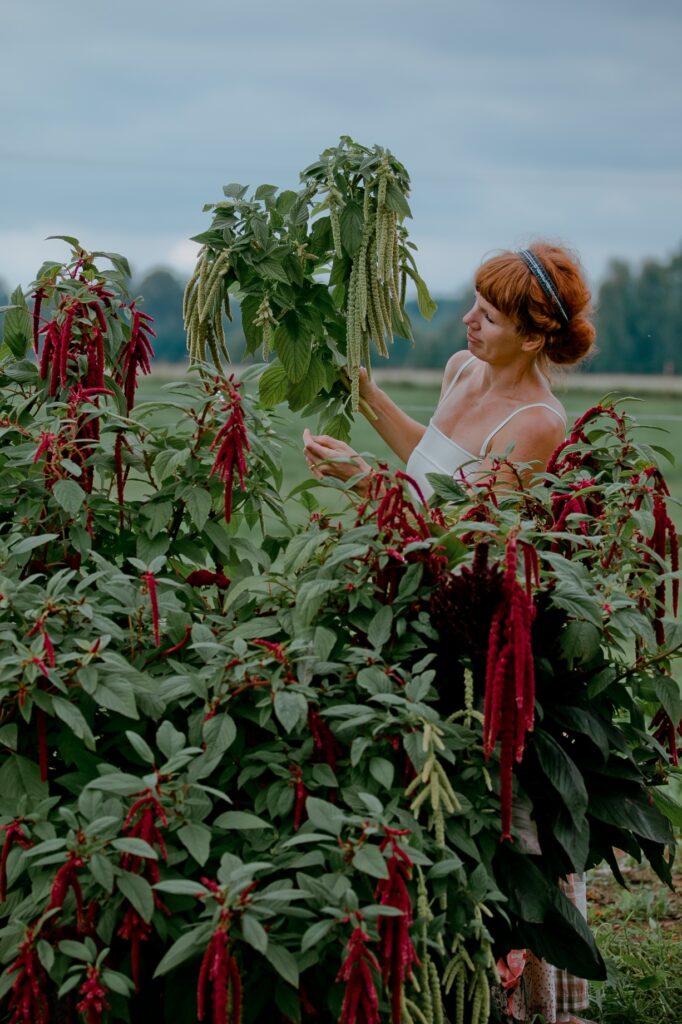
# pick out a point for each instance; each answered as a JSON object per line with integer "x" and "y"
{"x": 517, "y": 119}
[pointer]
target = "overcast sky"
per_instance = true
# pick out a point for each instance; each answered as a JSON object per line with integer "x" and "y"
{"x": 515, "y": 118}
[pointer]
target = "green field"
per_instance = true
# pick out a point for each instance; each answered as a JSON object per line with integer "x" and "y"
{"x": 660, "y": 418}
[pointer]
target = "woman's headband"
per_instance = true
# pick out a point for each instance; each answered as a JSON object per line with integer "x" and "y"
{"x": 540, "y": 274}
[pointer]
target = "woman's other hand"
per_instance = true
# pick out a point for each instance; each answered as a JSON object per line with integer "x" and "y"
{"x": 327, "y": 456}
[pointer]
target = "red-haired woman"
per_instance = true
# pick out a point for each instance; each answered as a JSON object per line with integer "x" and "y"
{"x": 530, "y": 312}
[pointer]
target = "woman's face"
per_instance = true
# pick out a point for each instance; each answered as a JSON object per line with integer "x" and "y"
{"x": 491, "y": 336}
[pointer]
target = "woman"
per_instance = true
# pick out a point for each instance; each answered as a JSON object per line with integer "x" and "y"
{"x": 530, "y": 312}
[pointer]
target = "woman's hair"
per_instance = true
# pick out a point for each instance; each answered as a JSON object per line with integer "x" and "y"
{"x": 508, "y": 283}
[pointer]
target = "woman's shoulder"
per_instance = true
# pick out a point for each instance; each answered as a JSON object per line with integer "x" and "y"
{"x": 453, "y": 366}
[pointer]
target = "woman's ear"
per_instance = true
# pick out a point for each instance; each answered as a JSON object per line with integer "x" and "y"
{"x": 533, "y": 343}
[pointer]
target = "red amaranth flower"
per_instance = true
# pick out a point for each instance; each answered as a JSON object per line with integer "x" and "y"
{"x": 136, "y": 355}
{"x": 93, "y": 995}
{"x": 27, "y": 1002}
{"x": 360, "y": 1002}
{"x": 150, "y": 579}
{"x": 219, "y": 975}
{"x": 326, "y": 747}
{"x": 134, "y": 930}
{"x": 231, "y": 441}
{"x": 206, "y": 578}
{"x": 396, "y": 951}
{"x": 141, "y": 823}
{"x": 14, "y": 833}
{"x": 301, "y": 794}
{"x": 664, "y": 731}
{"x": 509, "y": 710}
{"x": 65, "y": 879}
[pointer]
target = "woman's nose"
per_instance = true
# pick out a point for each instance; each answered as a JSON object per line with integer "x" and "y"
{"x": 467, "y": 318}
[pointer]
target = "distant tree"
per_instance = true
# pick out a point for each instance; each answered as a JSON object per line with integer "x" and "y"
{"x": 639, "y": 318}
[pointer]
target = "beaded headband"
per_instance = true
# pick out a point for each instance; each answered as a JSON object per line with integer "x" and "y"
{"x": 540, "y": 274}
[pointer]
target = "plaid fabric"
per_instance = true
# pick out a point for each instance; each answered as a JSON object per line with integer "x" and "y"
{"x": 546, "y": 989}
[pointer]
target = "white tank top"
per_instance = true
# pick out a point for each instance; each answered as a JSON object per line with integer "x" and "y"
{"x": 438, "y": 453}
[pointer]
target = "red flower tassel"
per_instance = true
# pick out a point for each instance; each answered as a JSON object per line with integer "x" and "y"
{"x": 219, "y": 975}
{"x": 65, "y": 879}
{"x": 14, "y": 833}
{"x": 360, "y": 1002}
{"x": 396, "y": 951}
{"x": 150, "y": 579}
{"x": 232, "y": 442}
{"x": 509, "y": 707}
{"x": 93, "y": 997}
{"x": 134, "y": 930}
{"x": 27, "y": 1003}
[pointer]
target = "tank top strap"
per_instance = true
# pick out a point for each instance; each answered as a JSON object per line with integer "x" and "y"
{"x": 467, "y": 362}
{"x": 505, "y": 421}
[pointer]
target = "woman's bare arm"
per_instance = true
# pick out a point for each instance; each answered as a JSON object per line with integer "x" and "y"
{"x": 401, "y": 433}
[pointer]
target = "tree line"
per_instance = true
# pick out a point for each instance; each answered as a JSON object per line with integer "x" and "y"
{"x": 638, "y": 315}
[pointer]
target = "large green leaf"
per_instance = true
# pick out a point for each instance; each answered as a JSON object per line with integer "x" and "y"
{"x": 293, "y": 350}
{"x": 563, "y": 774}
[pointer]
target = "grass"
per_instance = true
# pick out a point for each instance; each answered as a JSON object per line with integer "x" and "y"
{"x": 639, "y": 932}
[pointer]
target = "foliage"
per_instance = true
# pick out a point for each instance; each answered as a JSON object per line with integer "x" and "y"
{"x": 244, "y": 769}
{"x": 319, "y": 275}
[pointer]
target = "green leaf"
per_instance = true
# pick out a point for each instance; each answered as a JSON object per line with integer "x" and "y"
{"x": 139, "y": 893}
{"x": 668, "y": 692}
{"x": 69, "y": 495}
{"x": 314, "y": 935}
{"x": 580, "y": 642}
{"x": 136, "y": 847}
{"x": 102, "y": 871}
{"x": 379, "y": 631}
{"x": 310, "y": 598}
{"x": 168, "y": 739}
{"x": 563, "y": 774}
{"x": 254, "y": 932}
{"x": 116, "y": 695}
{"x": 352, "y": 224}
{"x": 117, "y": 782}
{"x": 273, "y": 385}
{"x": 188, "y": 945}
{"x": 198, "y": 505}
{"x": 293, "y": 351}
{"x": 240, "y": 820}
{"x": 141, "y": 747}
{"x": 219, "y": 733}
{"x": 182, "y": 887}
{"x": 304, "y": 392}
{"x": 30, "y": 543}
{"x": 325, "y": 816}
{"x": 18, "y": 326}
{"x": 396, "y": 201}
{"x": 75, "y": 950}
{"x": 382, "y": 770}
{"x": 73, "y": 717}
{"x": 197, "y": 839}
{"x": 370, "y": 860}
{"x": 291, "y": 709}
{"x": 427, "y": 307}
{"x": 284, "y": 963}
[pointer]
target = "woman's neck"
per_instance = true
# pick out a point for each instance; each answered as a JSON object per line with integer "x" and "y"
{"x": 511, "y": 378}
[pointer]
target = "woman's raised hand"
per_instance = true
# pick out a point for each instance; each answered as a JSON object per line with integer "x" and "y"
{"x": 327, "y": 456}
